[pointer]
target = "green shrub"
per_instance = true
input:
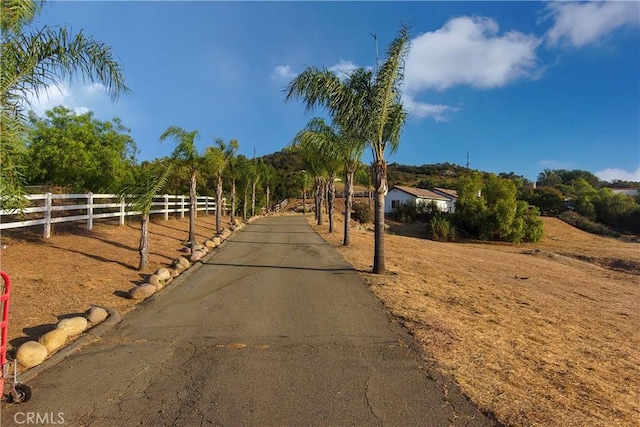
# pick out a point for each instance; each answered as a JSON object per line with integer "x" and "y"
{"x": 440, "y": 228}
{"x": 362, "y": 213}
{"x": 405, "y": 212}
{"x": 585, "y": 224}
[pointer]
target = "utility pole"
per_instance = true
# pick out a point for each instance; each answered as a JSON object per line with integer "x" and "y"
{"x": 467, "y": 162}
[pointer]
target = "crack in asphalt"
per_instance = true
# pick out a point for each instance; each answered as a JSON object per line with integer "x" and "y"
{"x": 369, "y": 405}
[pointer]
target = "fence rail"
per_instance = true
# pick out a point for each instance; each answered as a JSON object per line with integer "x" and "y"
{"x": 83, "y": 207}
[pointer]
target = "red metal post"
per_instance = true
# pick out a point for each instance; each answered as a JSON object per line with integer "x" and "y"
{"x": 4, "y": 325}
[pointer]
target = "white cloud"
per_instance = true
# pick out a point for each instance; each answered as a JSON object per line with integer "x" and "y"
{"x": 75, "y": 98}
{"x": 421, "y": 110}
{"x": 583, "y": 23}
{"x": 343, "y": 68}
{"x": 469, "y": 51}
{"x": 283, "y": 72}
{"x": 611, "y": 174}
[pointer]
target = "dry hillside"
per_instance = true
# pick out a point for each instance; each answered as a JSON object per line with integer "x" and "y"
{"x": 536, "y": 334}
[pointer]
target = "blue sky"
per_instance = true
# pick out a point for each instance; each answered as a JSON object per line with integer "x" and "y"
{"x": 521, "y": 86}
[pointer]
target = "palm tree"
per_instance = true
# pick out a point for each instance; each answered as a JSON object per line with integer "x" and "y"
{"x": 187, "y": 154}
{"x": 233, "y": 173}
{"x": 256, "y": 176}
{"x": 140, "y": 196}
{"x": 367, "y": 108}
{"x": 220, "y": 156}
{"x": 320, "y": 144}
{"x": 33, "y": 60}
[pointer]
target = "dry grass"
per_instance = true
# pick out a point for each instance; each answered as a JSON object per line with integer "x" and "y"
{"x": 537, "y": 334}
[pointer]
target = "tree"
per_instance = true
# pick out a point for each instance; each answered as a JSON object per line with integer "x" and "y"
{"x": 548, "y": 178}
{"x": 256, "y": 176}
{"x": 219, "y": 158}
{"x": 367, "y": 106}
{"x": 320, "y": 146}
{"x": 140, "y": 194}
{"x": 76, "y": 150}
{"x": 232, "y": 172}
{"x": 31, "y": 62}
{"x": 186, "y": 154}
{"x": 491, "y": 210}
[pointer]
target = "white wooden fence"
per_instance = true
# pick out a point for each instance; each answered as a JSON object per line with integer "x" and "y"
{"x": 50, "y": 208}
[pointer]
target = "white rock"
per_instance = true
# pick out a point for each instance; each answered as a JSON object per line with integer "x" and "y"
{"x": 53, "y": 340}
{"x": 154, "y": 280}
{"x": 73, "y": 325}
{"x": 96, "y": 315}
{"x": 142, "y": 291}
{"x": 163, "y": 273}
{"x": 31, "y": 353}
{"x": 197, "y": 256}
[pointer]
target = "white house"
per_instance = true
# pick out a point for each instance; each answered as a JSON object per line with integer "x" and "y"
{"x": 451, "y": 195}
{"x": 400, "y": 195}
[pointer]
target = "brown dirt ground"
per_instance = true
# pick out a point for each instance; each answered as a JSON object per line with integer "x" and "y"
{"x": 535, "y": 334}
{"x": 556, "y": 345}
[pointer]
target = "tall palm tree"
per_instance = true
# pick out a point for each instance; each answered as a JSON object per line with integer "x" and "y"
{"x": 221, "y": 155}
{"x": 140, "y": 195}
{"x": 233, "y": 173}
{"x": 370, "y": 109}
{"x": 33, "y": 60}
{"x": 320, "y": 143}
{"x": 256, "y": 177}
{"x": 187, "y": 154}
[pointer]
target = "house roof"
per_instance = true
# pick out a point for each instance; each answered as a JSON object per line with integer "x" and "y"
{"x": 420, "y": 193}
{"x": 446, "y": 192}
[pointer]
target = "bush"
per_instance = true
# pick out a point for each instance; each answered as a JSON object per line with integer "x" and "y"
{"x": 405, "y": 212}
{"x": 362, "y": 213}
{"x": 585, "y": 224}
{"x": 440, "y": 229}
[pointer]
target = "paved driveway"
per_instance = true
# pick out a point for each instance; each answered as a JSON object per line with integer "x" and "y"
{"x": 273, "y": 329}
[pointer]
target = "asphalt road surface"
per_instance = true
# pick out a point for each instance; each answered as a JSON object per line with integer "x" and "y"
{"x": 274, "y": 329}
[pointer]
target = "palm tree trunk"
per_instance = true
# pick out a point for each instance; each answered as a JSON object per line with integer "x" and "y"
{"x": 218, "y": 203}
{"x": 319, "y": 197}
{"x": 348, "y": 205}
{"x": 143, "y": 248}
{"x": 268, "y": 190}
{"x": 233, "y": 202}
{"x": 331, "y": 197}
{"x": 244, "y": 203}
{"x": 380, "y": 183}
{"x": 253, "y": 199}
{"x": 192, "y": 209}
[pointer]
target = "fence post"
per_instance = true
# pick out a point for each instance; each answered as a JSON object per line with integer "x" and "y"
{"x": 90, "y": 211}
{"x": 206, "y": 205}
{"x": 122, "y": 213}
{"x": 47, "y": 216}
{"x": 166, "y": 207}
{"x": 182, "y": 206}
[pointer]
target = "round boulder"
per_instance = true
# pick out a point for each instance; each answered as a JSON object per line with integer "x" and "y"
{"x": 154, "y": 280}
{"x": 96, "y": 315}
{"x": 163, "y": 273}
{"x": 181, "y": 263}
{"x": 53, "y": 340}
{"x": 197, "y": 255}
{"x": 31, "y": 353}
{"x": 142, "y": 291}
{"x": 73, "y": 325}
